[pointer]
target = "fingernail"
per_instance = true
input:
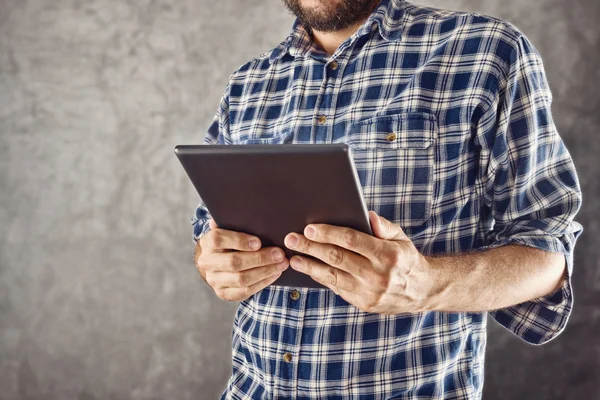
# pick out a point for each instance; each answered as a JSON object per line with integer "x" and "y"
{"x": 277, "y": 255}
{"x": 291, "y": 241}
{"x": 254, "y": 243}
{"x": 296, "y": 263}
{"x": 310, "y": 232}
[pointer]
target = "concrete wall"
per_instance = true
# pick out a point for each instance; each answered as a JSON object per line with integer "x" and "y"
{"x": 99, "y": 298}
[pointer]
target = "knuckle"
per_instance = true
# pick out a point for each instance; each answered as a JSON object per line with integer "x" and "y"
{"x": 216, "y": 239}
{"x": 351, "y": 238}
{"x": 263, "y": 257}
{"x": 241, "y": 280}
{"x": 304, "y": 246}
{"x": 335, "y": 256}
{"x": 379, "y": 253}
{"x": 388, "y": 256}
{"x": 371, "y": 277}
{"x": 395, "y": 257}
{"x": 235, "y": 261}
{"x": 331, "y": 276}
{"x": 381, "y": 280}
{"x": 242, "y": 241}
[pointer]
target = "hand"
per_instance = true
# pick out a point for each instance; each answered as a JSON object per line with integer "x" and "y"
{"x": 382, "y": 274}
{"x": 233, "y": 268}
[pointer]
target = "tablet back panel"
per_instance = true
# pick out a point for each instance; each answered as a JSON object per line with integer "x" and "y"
{"x": 272, "y": 190}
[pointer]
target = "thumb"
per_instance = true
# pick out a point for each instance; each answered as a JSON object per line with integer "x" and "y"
{"x": 385, "y": 229}
{"x": 212, "y": 223}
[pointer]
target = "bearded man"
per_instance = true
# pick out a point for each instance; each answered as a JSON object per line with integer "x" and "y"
{"x": 471, "y": 191}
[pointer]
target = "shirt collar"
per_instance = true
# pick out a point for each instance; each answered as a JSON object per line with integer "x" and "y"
{"x": 388, "y": 15}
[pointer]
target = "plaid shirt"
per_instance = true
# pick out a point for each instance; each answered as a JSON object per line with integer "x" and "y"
{"x": 476, "y": 163}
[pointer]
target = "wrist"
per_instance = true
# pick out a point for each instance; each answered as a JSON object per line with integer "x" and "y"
{"x": 439, "y": 284}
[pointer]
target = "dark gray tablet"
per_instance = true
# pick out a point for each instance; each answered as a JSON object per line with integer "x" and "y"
{"x": 272, "y": 190}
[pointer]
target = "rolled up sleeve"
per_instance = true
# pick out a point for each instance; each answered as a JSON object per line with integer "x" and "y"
{"x": 530, "y": 186}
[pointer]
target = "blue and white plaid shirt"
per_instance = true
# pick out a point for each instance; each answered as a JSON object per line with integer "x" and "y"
{"x": 477, "y": 163}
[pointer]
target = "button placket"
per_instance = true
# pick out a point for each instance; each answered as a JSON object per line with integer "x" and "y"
{"x": 330, "y": 74}
{"x": 334, "y": 73}
{"x": 324, "y": 100}
{"x": 289, "y": 352}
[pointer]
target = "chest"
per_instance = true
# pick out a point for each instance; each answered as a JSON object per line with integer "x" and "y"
{"x": 408, "y": 121}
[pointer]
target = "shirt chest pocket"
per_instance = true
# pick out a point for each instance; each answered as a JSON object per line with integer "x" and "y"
{"x": 395, "y": 159}
{"x": 284, "y": 137}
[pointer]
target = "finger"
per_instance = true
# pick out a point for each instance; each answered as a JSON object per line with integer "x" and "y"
{"x": 237, "y": 261}
{"x": 334, "y": 278}
{"x": 225, "y": 279}
{"x": 328, "y": 253}
{"x": 347, "y": 238}
{"x": 223, "y": 239}
{"x": 237, "y": 294}
{"x": 385, "y": 229}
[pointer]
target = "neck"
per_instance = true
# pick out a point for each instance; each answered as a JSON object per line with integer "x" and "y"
{"x": 330, "y": 41}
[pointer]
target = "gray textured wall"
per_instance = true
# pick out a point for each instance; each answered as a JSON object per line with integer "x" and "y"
{"x": 99, "y": 298}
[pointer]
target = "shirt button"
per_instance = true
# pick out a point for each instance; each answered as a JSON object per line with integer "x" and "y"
{"x": 322, "y": 119}
{"x": 295, "y": 295}
{"x": 391, "y": 137}
{"x": 287, "y": 357}
{"x": 333, "y": 65}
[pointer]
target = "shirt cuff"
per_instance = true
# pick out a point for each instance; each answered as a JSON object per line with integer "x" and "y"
{"x": 200, "y": 228}
{"x": 539, "y": 320}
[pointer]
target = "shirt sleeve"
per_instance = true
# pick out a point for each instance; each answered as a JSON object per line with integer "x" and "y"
{"x": 217, "y": 133}
{"x": 530, "y": 187}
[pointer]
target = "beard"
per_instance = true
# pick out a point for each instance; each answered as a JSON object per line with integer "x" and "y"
{"x": 331, "y": 15}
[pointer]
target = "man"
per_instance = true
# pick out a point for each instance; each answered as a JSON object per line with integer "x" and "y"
{"x": 471, "y": 190}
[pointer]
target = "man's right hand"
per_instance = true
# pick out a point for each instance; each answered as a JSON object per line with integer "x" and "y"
{"x": 232, "y": 267}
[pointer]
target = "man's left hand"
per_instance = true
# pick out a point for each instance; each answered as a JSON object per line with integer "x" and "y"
{"x": 383, "y": 274}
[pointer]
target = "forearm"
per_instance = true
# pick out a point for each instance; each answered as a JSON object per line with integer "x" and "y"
{"x": 495, "y": 278}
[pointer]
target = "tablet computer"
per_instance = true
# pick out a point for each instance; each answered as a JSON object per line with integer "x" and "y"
{"x": 271, "y": 190}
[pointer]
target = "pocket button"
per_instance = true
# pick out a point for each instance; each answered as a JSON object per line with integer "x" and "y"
{"x": 391, "y": 137}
